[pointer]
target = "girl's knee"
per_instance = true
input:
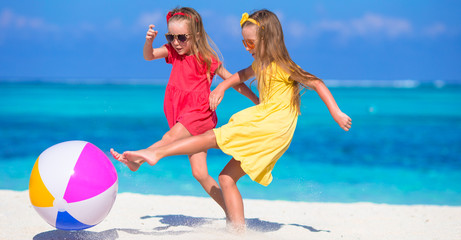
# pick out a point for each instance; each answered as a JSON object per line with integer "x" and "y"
{"x": 210, "y": 134}
{"x": 199, "y": 174}
{"x": 231, "y": 173}
{"x": 168, "y": 137}
{"x": 225, "y": 181}
{"x": 178, "y": 131}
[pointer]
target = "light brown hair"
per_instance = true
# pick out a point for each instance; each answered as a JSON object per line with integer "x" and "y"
{"x": 271, "y": 48}
{"x": 203, "y": 48}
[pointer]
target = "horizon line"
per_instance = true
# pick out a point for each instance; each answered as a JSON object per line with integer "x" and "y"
{"x": 400, "y": 83}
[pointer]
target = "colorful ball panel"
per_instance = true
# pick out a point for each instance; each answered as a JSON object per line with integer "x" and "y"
{"x": 90, "y": 177}
{"x": 38, "y": 193}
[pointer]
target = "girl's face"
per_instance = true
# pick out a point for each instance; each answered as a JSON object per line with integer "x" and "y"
{"x": 180, "y": 27}
{"x": 249, "y": 34}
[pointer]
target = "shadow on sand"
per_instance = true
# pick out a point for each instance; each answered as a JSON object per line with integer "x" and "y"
{"x": 252, "y": 223}
{"x": 77, "y": 235}
{"x": 111, "y": 234}
{"x": 168, "y": 221}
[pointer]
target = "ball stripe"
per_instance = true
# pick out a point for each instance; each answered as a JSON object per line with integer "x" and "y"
{"x": 90, "y": 177}
{"x": 65, "y": 221}
{"x": 38, "y": 193}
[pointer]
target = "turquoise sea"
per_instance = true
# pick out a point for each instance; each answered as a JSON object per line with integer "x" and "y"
{"x": 404, "y": 146}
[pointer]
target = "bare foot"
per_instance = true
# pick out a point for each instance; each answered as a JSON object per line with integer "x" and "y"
{"x": 238, "y": 229}
{"x": 133, "y": 166}
{"x": 139, "y": 157}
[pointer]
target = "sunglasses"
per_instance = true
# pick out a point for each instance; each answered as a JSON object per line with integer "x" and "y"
{"x": 180, "y": 37}
{"x": 250, "y": 44}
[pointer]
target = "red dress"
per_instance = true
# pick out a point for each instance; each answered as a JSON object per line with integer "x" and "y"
{"x": 187, "y": 93}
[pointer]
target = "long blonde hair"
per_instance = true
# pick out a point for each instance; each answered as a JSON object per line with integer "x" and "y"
{"x": 271, "y": 48}
{"x": 203, "y": 48}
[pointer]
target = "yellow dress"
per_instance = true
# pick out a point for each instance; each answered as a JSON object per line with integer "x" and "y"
{"x": 258, "y": 136}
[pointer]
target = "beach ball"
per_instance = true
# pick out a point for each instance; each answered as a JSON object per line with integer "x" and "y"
{"x": 73, "y": 185}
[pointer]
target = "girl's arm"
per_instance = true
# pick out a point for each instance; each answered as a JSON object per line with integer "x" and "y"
{"x": 241, "y": 87}
{"x": 235, "y": 81}
{"x": 148, "y": 51}
{"x": 341, "y": 118}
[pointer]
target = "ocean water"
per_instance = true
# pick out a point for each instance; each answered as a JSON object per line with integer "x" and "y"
{"x": 404, "y": 146}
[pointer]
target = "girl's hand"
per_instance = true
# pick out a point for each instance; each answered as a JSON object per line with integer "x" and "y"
{"x": 343, "y": 120}
{"x": 151, "y": 34}
{"x": 216, "y": 97}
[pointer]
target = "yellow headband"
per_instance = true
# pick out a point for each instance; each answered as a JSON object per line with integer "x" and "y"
{"x": 245, "y": 18}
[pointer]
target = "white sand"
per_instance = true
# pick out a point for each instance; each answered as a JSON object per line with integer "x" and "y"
{"x": 136, "y": 216}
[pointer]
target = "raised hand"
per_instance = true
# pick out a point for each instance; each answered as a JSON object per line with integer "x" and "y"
{"x": 151, "y": 33}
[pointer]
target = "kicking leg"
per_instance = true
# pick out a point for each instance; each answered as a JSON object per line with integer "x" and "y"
{"x": 228, "y": 178}
{"x": 184, "y": 146}
{"x": 178, "y": 131}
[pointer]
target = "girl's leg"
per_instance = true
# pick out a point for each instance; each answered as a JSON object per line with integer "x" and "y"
{"x": 197, "y": 161}
{"x": 228, "y": 178}
{"x": 184, "y": 146}
{"x": 200, "y": 172}
{"x": 178, "y": 131}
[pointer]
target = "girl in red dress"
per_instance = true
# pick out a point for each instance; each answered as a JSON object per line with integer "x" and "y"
{"x": 186, "y": 103}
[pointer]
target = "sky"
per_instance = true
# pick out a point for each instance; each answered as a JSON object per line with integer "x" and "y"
{"x": 335, "y": 40}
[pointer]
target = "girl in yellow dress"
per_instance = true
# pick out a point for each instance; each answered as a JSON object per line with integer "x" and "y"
{"x": 257, "y": 136}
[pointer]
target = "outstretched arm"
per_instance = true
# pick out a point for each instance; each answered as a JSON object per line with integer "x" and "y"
{"x": 341, "y": 118}
{"x": 235, "y": 81}
{"x": 148, "y": 51}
